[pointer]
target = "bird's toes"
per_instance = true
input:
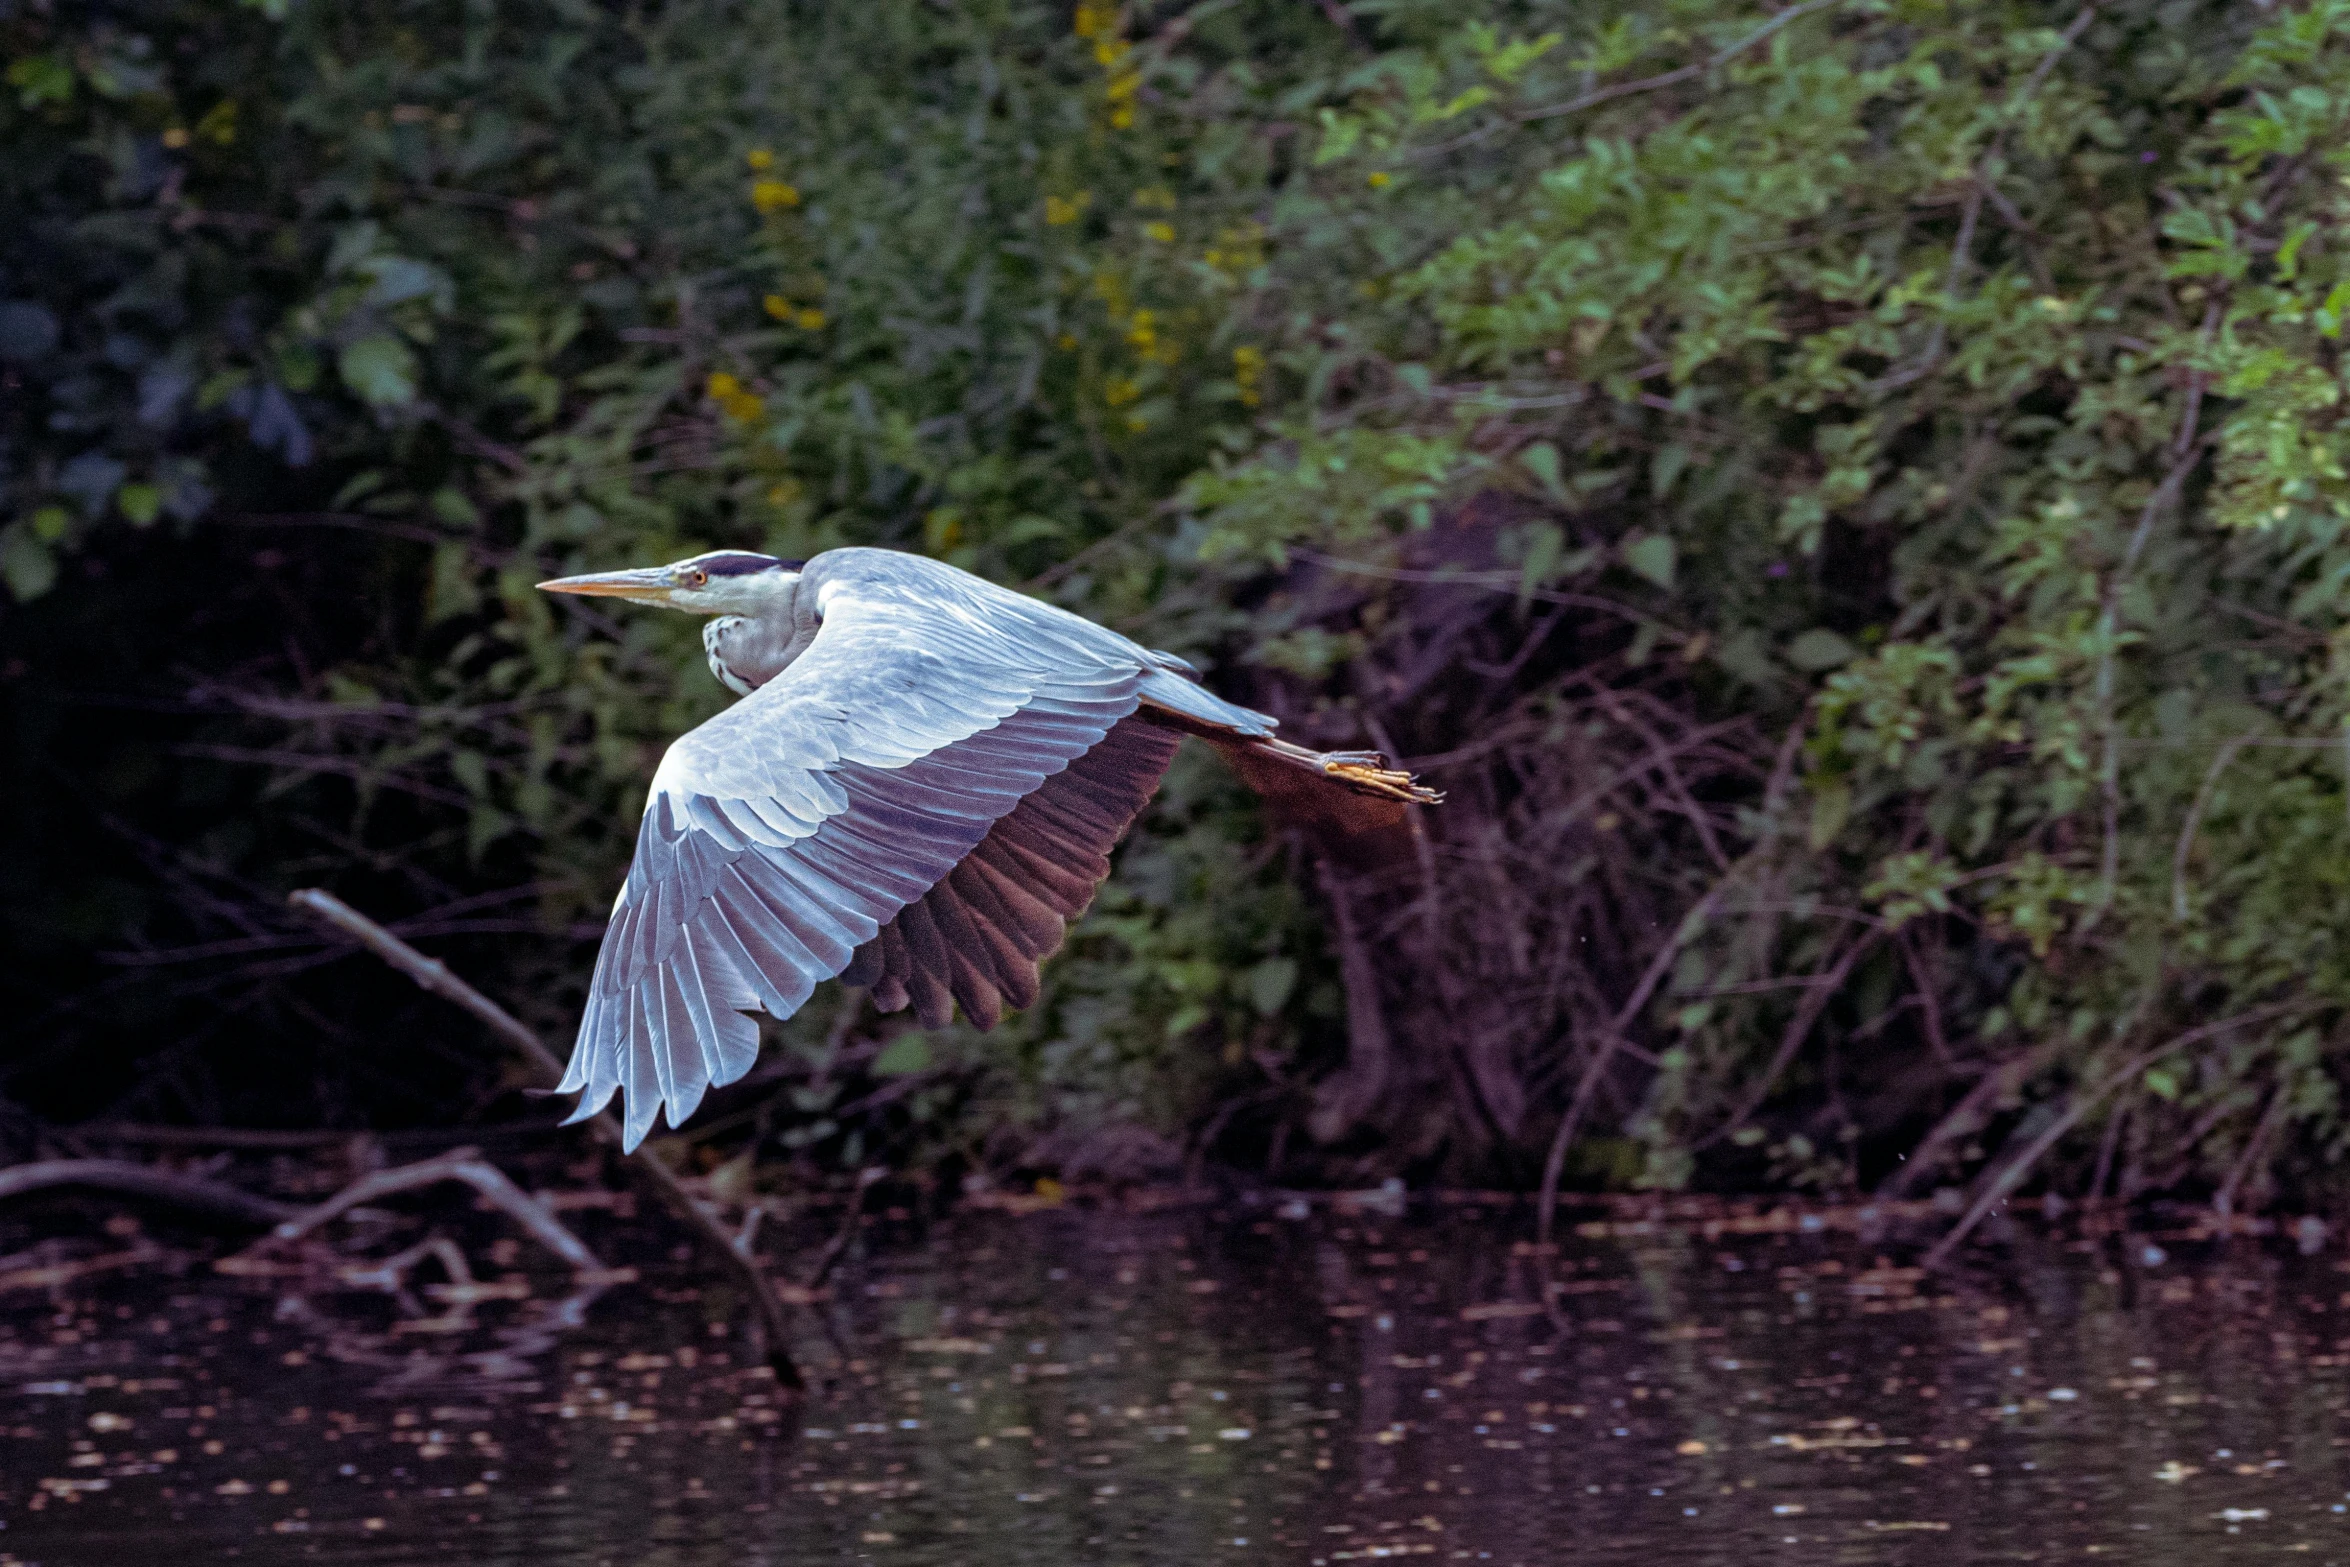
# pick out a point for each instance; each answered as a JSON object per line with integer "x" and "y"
{"x": 1374, "y": 777}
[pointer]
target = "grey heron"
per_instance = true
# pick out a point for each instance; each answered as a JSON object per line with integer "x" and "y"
{"x": 917, "y": 793}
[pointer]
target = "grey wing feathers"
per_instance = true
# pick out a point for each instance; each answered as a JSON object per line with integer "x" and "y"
{"x": 1006, "y": 906}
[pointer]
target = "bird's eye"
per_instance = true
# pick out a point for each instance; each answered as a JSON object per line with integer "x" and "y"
{"x": 694, "y": 577}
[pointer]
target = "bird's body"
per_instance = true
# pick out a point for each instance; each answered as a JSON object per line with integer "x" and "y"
{"x": 919, "y": 790}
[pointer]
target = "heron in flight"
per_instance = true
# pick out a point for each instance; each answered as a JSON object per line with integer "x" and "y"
{"x": 918, "y": 792}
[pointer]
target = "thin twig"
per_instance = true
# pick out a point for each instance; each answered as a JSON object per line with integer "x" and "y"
{"x": 1823, "y": 989}
{"x": 1653, "y": 976}
{"x": 1713, "y": 62}
{"x": 1508, "y": 583}
{"x": 436, "y": 978}
{"x": 848, "y": 1227}
{"x": 2223, "y": 1202}
{"x": 1929, "y": 1004}
{"x": 2106, "y": 1144}
{"x": 1979, "y": 187}
{"x": 1966, "y": 1116}
{"x": 2186, "y": 843}
{"x": 2108, "y": 632}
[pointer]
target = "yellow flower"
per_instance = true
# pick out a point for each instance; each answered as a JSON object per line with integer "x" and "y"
{"x": 1065, "y": 342}
{"x": 1118, "y": 391}
{"x": 1158, "y": 196}
{"x": 737, "y": 404}
{"x": 1379, "y": 179}
{"x": 176, "y": 137}
{"x": 784, "y": 493}
{"x": 774, "y": 195}
{"x": 759, "y": 158}
{"x": 219, "y": 124}
{"x": 1122, "y": 117}
{"x": 1143, "y": 332}
{"x": 1109, "y": 51}
{"x": 1164, "y": 233}
{"x": 1094, "y": 20}
{"x": 1248, "y": 373}
{"x": 1061, "y": 212}
{"x": 810, "y": 319}
{"x": 1137, "y": 422}
{"x": 778, "y": 307}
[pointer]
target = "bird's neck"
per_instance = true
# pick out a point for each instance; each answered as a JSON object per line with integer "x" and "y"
{"x": 748, "y": 651}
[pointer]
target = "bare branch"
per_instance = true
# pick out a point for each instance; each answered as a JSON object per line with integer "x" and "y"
{"x": 139, "y": 1180}
{"x": 2186, "y": 843}
{"x": 436, "y": 978}
{"x": 458, "y": 1164}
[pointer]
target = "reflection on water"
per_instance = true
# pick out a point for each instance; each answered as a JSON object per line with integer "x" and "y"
{"x": 1230, "y": 1384}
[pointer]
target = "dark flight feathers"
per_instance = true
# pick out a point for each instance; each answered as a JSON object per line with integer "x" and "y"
{"x": 976, "y": 937}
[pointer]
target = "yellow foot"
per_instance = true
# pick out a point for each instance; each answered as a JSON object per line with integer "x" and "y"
{"x": 1367, "y": 772}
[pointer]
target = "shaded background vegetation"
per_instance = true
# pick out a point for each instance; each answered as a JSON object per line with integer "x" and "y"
{"x": 1848, "y": 499}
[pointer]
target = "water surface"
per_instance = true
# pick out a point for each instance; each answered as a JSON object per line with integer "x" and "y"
{"x": 1155, "y": 1384}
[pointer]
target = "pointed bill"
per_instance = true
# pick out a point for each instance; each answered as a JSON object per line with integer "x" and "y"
{"x": 652, "y": 583}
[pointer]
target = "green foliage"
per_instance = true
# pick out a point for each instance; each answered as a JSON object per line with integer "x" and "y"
{"x": 1952, "y": 393}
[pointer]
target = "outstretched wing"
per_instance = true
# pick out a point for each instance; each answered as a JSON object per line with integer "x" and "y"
{"x": 787, "y": 832}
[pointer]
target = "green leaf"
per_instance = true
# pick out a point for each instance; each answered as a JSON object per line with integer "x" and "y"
{"x": 41, "y": 78}
{"x": 140, "y": 504}
{"x": 1542, "y": 460}
{"x": 1270, "y": 984}
{"x": 379, "y": 370}
{"x": 26, "y": 564}
{"x": 2329, "y": 314}
{"x": 1545, "y": 544}
{"x": 452, "y": 507}
{"x": 1831, "y": 807}
{"x": 1653, "y": 557}
{"x": 1819, "y": 650}
{"x": 903, "y": 1056}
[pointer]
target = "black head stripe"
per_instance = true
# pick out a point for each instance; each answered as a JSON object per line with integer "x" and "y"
{"x": 742, "y": 563}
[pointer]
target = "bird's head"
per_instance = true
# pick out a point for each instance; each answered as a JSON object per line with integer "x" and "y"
{"x": 723, "y": 582}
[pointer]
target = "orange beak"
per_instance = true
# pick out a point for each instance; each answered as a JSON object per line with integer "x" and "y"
{"x": 652, "y": 584}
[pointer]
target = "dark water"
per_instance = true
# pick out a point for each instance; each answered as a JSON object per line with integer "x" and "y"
{"x": 1220, "y": 1384}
